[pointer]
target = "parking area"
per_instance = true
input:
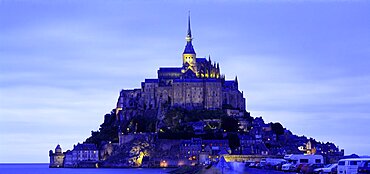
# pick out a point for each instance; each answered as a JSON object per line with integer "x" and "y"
{"x": 262, "y": 171}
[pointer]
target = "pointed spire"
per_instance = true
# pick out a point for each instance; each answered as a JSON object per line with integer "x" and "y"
{"x": 189, "y": 46}
{"x": 209, "y": 58}
{"x": 236, "y": 79}
{"x": 189, "y": 29}
{"x": 218, "y": 66}
{"x": 188, "y": 36}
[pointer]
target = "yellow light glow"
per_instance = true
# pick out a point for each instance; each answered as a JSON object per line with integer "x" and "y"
{"x": 139, "y": 160}
{"x": 163, "y": 163}
{"x": 181, "y": 163}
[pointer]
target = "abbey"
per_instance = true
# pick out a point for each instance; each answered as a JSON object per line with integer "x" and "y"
{"x": 198, "y": 84}
{"x": 188, "y": 115}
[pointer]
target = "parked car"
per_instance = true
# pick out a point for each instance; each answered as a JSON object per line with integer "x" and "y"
{"x": 279, "y": 166}
{"x": 330, "y": 168}
{"x": 308, "y": 169}
{"x": 347, "y": 166}
{"x": 287, "y": 167}
{"x": 272, "y": 163}
{"x": 247, "y": 164}
{"x": 259, "y": 165}
{"x": 364, "y": 167}
{"x": 298, "y": 167}
{"x": 252, "y": 165}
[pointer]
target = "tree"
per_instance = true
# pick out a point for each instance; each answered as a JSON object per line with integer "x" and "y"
{"x": 229, "y": 124}
{"x": 108, "y": 131}
{"x": 234, "y": 141}
{"x": 277, "y": 128}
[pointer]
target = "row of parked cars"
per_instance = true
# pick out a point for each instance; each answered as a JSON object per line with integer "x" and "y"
{"x": 297, "y": 168}
{"x": 308, "y": 168}
{"x": 314, "y": 164}
{"x": 268, "y": 163}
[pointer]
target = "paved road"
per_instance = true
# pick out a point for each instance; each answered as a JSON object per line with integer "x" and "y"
{"x": 263, "y": 171}
{"x": 240, "y": 170}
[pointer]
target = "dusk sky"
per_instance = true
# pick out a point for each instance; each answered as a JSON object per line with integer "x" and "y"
{"x": 305, "y": 64}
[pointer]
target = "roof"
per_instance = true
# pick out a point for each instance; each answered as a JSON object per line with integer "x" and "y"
{"x": 194, "y": 80}
{"x": 151, "y": 80}
{"x": 201, "y": 60}
{"x": 223, "y": 152}
{"x": 229, "y": 84}
{"x": 170, "y": 69}
{"x": 85, "y": 146}
{"x": 189, "y": 49}
{"x": 58, "y": 147}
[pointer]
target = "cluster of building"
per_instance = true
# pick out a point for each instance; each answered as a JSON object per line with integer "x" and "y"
{"x": 82, "y": 155}
{"x": 197, "y": 84}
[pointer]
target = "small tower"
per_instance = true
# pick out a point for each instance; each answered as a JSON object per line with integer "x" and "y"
{"x": 189, "y": 56}
{"x": 57, "y": 158}
{"x": 58, "y": 149}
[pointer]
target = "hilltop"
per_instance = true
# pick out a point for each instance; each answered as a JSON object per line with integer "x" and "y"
{"x": 189, "y": 115}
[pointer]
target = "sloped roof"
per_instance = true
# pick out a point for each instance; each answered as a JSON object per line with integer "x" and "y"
{"x": 189, "y": 49}
{"x": 170, "y": 69}
{"x": 201, "y": 60}
{"x": 85, "y": 146}
{"x": 151, "y": 80}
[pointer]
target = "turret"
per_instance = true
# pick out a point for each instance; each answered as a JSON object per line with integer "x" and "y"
{"x": 58, "y": 149}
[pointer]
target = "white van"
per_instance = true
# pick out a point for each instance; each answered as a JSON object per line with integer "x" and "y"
{"x": 350, "y": 166}
{"x": 272, "y": 161}
{"x": 296, "y": 159}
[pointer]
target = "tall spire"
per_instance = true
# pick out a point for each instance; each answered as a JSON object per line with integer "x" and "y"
{"x": 189, "y": 29}
{"x": 189, "y": 46}
{"x": 188, "y": 36}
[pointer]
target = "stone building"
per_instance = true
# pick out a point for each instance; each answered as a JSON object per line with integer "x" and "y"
{"x": 198, "y": 84}
{"x": 82, "y": 155}
{"x": 57, "y": 158}
{"x": 199, "y": 150}
{"x": 68, "y": 160}
{"x": 85, "y": 152}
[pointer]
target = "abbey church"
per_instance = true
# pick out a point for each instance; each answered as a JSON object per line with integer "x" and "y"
{"x": 197, "y": 84}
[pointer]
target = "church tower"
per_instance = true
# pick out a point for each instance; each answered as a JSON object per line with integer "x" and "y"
{"x": 189, "y": 56}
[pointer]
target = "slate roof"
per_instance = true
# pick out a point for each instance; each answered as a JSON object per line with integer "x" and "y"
{"x": 85, "y": 146}
{"x": 151, "y": 81}
{"x": 189, "y": 49}
{"x": 201, "y": 60}
{"x": 170, "y": 69}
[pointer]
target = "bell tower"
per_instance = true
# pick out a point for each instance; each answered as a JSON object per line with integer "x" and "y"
{"x": 189, "y": 56}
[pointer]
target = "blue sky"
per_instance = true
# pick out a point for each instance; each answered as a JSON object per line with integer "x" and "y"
{"x": 62, "y": 64}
